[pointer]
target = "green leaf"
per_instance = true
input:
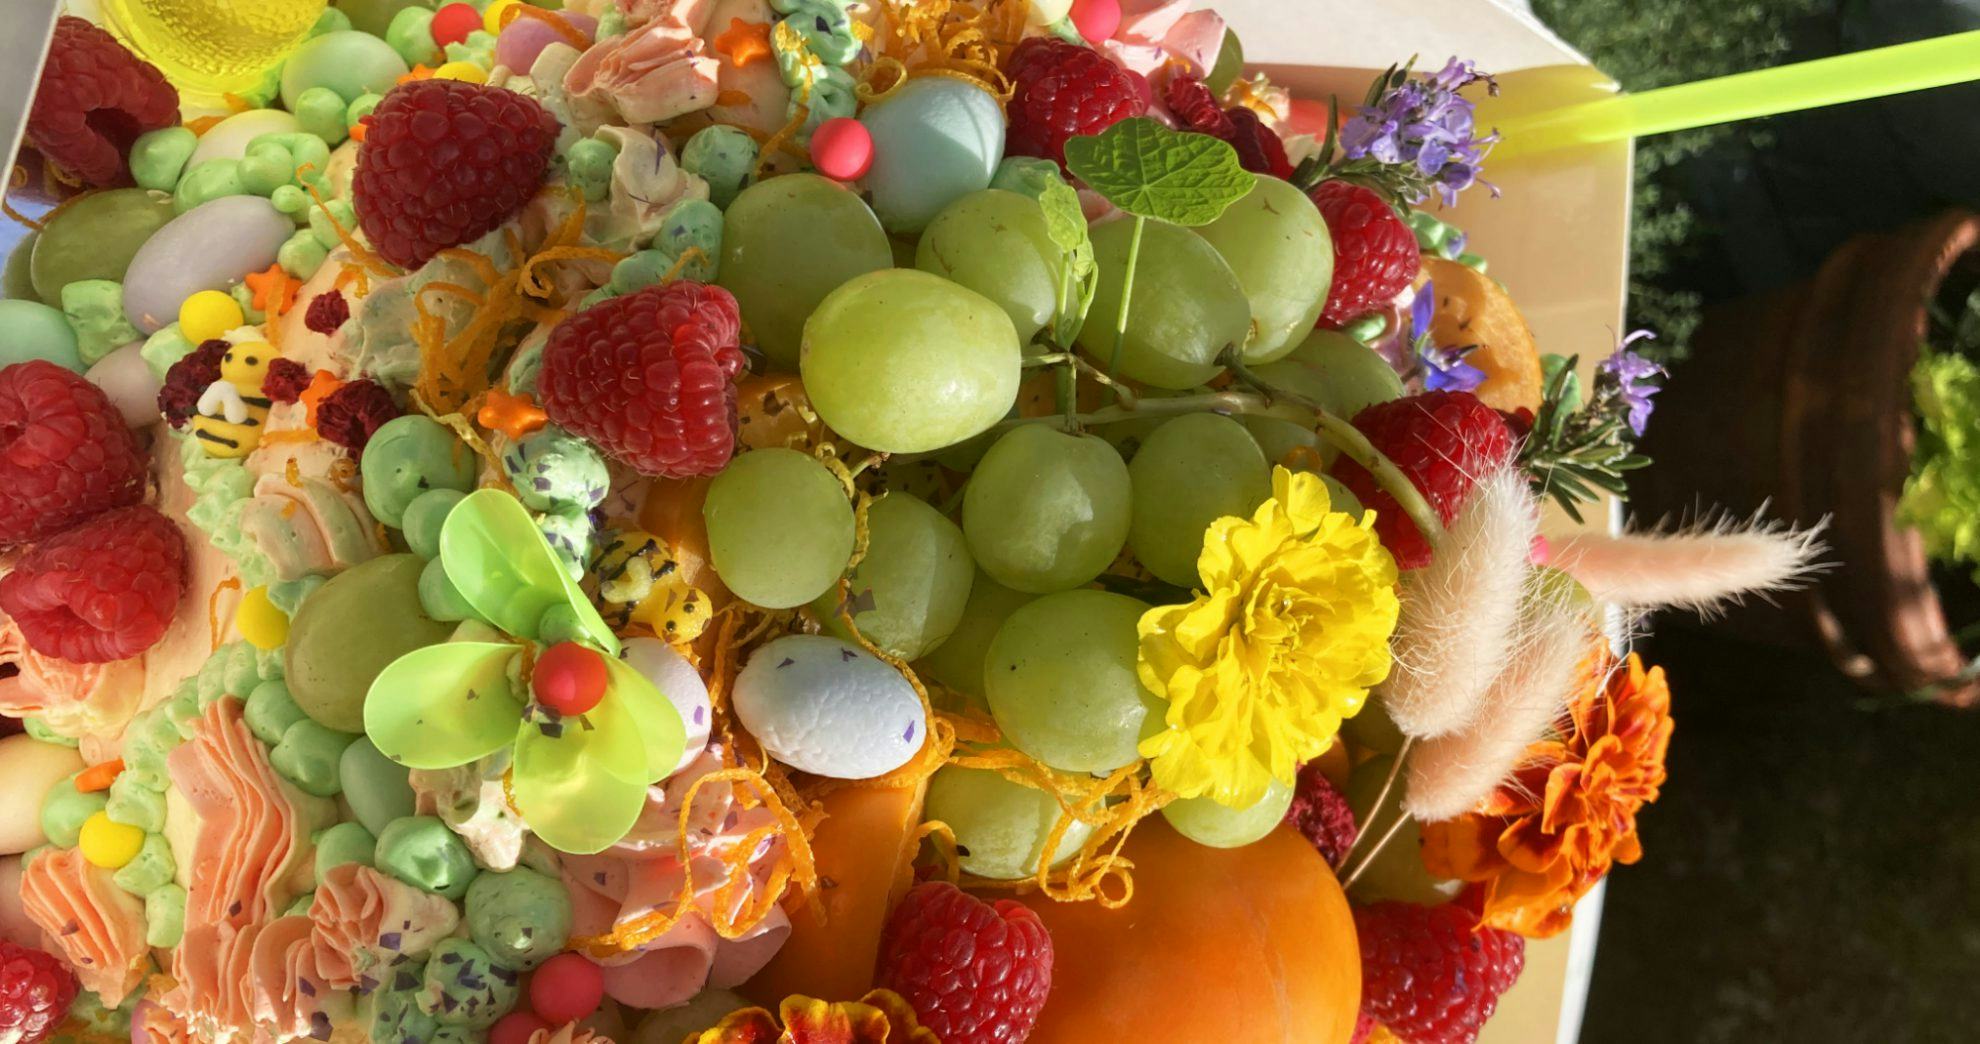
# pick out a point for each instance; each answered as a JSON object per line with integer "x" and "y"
{"x": 496, "y": 556}
{"x": 580, "y": 781}
{"x": 1065, "y": 222}
{"x": 1150, "y": 171}
{"x": 444, "y": 705}
{"x": 654, "y": 717}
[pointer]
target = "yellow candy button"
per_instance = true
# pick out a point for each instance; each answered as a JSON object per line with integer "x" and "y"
{"x": 264, "y": 626}
{"x": 209, "y": 314}
{"x": 466, "y": 72}
{"x": 491, "y": 19}
{"x": 108, "y": 843}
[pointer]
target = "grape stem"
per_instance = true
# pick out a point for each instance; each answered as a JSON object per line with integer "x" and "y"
{"x": 1368, "y": 857}
{"x": 1381, "y": 800}
{"x": 1127, "y": 297}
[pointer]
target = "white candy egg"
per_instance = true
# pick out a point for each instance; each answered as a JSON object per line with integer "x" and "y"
{"x": 28, "y": 768}
{"x": 828, "y": 707}
{"x": 935, "y": 140}
{"x": 127, "y": 380}
{"x": 676, "y": 678}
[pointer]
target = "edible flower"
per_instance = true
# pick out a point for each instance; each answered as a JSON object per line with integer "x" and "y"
{"x": 1417, "y": 136}
{"x": 1292, "y": 630}
{"x": 1546, "y": 836}
{"x": 1444, "y": 369}
{"x": 1629, "y": 374}
{"x": 579, "y": 780}
{"x": 880, "y": 1017}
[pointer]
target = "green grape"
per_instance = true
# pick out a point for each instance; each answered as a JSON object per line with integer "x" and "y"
{"x": 1186, "y": 309}
{"x": 786, "y": 243}
{"x": 1397, "y": 873}
{"x": 958, "y": 662}
{"x": 1047, "y": 511}
{"x": 1342, "y": 498}
{"x": 1001, "y": 827}
{"x": 902, "y": 361}
{"x": 1206, "y": 822}
{"x": 995, "y": 243}
{"x": 1278, "y": 246}
{"x": 1372, "y": 728}
{"x": 1061, "y": 681}
{"x": 1335, "y": 370}
{"x": 1190, "y": 472}
{"x": 780, "y": 529}
{"x": 909, "y": 590}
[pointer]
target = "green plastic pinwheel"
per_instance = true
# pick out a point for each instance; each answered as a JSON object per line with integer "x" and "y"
{"x": 579, "y": 781}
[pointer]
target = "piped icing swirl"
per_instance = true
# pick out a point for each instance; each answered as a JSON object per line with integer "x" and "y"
{"x": 95, "y": 925}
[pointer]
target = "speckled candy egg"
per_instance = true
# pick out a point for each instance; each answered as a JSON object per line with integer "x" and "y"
{"x": 676, "y": 678}
{"x": 935, "y": 140}
{"x": 828, "y": 707}
{"x": 210, "y": 247}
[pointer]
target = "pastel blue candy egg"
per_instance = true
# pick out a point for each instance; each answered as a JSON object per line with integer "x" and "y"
{"x": 935, "y": 140}
{"x": 29, "y": 330}
{"x": 210, "y": 247}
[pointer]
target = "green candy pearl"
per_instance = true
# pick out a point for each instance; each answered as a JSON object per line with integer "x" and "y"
{"x": 722, "y": 156}
{"x": 159, "y": 157}
{"x": 64, "y": 810}
{"x": 211, "y": 180}
{"x": 320, "y": 110}
{"x": 344, "y": 843}
{"x": 408, "y": 456}
{"x": 590, "y": 162}
{"x": 326, "y": 219}
{"x": 439, "y": 597}
{"x": 465, "y": 987}
{"x": 308, "y": 755}
{"x": 266, "y": 167}
{"x": 411, "y": 34}
{"x": 424, "y": 517}
{"x": 422, "y": 852}
{"x": 271, "y": 711}
{"x": 164, "y": 348}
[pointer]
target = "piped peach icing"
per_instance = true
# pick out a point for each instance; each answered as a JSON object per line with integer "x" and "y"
{"x": 662, "y": 69}
{"x": 643, "y": 876}
{"x": 363, "y": 921}
{"x": 90, "y": 702}
{"x": 95, "y": 925}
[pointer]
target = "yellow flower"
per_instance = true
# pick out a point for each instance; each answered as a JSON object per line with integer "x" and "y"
{"x": 1260, "y": 670}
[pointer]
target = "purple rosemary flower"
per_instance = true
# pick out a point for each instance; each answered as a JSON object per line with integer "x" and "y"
{"x": 1427, "y": 126}
{"x": 1444, "y": 369}
{"x": 1630, "y": 374}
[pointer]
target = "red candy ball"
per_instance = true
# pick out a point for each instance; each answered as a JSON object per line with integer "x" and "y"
{"x": 569, "y": 678}
{"x": 567, "y": 988}
{"x": 516, "y": 1028}
{"x": 452, "y": 24}
{"x": 1096, "y": 20}
{"x": 842, "y": 148}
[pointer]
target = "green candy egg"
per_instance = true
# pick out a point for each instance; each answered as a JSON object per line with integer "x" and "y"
{"x": 377, "y": 788}
{"x": 349, "y": 630}
{"x": 95, "y": 238}
{"x": 29, "y": 330}
{"x": 935, "y": 140}
{"x": 424, "y": 517}
{"x": 344, "y": 843}
{"x": 522, "y": 918}
{"x": 348, "y": 62}
{"x": 308, "y": 756}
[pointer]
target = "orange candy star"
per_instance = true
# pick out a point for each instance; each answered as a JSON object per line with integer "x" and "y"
{"x": 744, "y": 42}
{"x": 274, "y": 290}
{"x": 512, "y": 415}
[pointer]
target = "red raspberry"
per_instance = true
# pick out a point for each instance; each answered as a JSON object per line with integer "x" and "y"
{"x": 1375, "y": 254}
{"x": 94, "y": 99}
{"x": 1064, "y": 90}
{"x": 105, "y": 590}
{"x": 350, "y": 414}
{"x": 1364, "y": 1028}
{"x": 327, "y": 311}
{"x": 1442, "y": 441}
{"x": 975, "y": 972}
{"x": 650, "y": 378}
{"x": 1258, "y": 147}
{"x": 1430, "y": 973}
{"x": 445, "y": 162}
{"x": 187, "y": 380}
{"x": 1197, "y": 109}
{"x": 286, "y": 381}
{"x": 65, "y": 453}
{"x": 36, "y": 989}
{"x": 1320, "y": 812}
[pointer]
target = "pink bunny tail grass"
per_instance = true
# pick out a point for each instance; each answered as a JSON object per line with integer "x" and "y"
{"x": 1451, "y": 775}
{"x": 1460, "y": 611}
{"x": 1702, "y": 568}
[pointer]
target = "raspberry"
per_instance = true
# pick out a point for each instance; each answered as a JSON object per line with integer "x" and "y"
{"x": 351, "y": 413}
{"x": 1321, "y": 813}
{"x": 187, "y": 380}
{"x": 286, "y": 381}
{"x": 650, "y": 378}
{"x": 66, "y": 454}
{"x": 327, "y": 311}
{"x": 1197, "y": 109}
{"x": 976, "y": 973}
{"x": 1364, "y": 1027}
{"x": 105, "y": 590}
{"x": 1259, "y": 149}
{"x": 1430, "y": 973}
{"x": 93, "y": 100}
{"x": 1375, "y": 254}
{"x": 444, "y": 162}
{"x": 1064, "y": 90}
{"x": 36, "y": 989}
{"x": 1442, "y": 441}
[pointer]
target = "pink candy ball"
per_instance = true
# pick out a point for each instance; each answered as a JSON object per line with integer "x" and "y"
{"x": 525, "y": 38}
{"x": 567, "y": 988}
{"x": 842, "y": 148}
{"x": 452, "y": 23}
{"x": 1096, "y": 19}
{"x": 516, "y": 1028}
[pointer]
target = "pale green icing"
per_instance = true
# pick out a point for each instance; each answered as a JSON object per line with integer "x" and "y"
{"x": 153, "y": 867}
{"x": 165, "y": 916}
{"x": 164, "y": 348}
{"x": 95, "y": 308}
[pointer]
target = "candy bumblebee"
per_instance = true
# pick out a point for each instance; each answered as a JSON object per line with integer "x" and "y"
{"x": 233, "y": 409}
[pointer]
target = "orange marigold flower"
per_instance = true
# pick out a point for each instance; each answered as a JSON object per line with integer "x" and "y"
{"x": 1544, "y": 839}
{"x": 880, "y": 1017}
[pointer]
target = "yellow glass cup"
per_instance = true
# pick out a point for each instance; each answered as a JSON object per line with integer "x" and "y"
{"x": 212, "y": 46}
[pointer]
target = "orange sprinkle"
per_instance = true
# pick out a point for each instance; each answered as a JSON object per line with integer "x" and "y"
{"x": 512, "y": 415}
{"x": 359, "y": 129}
{"x": 733, "y": 98}
{"x": 99, "y": 776}
{"x": 321, "y": 384}
{"x": 237, "y": 103}
{"x": 572, "y": 34}
{"x": 200, "y": 125}
{"x": 274, "y": 290}
{"x": 744, "y": 42}
{"x": 213, "y": 606}
{"x": 419, "y": 72}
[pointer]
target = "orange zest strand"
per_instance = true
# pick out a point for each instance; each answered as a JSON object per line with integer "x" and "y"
{"x": 964, "y": 39}
{"x": 199, "y": 125}
{"x": 19, "y": 218}
{"x": 365, "y": 263}
{"x": 942, "y": 839}
{"x": 99, "y": 776}
{"x": 557, "y": 23}
{"x": 213, "y": 607}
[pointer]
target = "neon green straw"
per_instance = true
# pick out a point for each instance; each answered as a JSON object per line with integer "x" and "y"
{"x": 1766, "y": 92}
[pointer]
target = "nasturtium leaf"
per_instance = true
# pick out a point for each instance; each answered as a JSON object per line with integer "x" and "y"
{"x": 580, "y": 781}
{"x": 504, "y": 568}
{"x": 654, "y": 717}
{"x": 444, "y": 705}
{"x": 1151, "y": 171}
{"x": 1065, "y": 222}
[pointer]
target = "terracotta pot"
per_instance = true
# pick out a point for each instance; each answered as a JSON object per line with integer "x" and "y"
{"x": 1803, "y": 397}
